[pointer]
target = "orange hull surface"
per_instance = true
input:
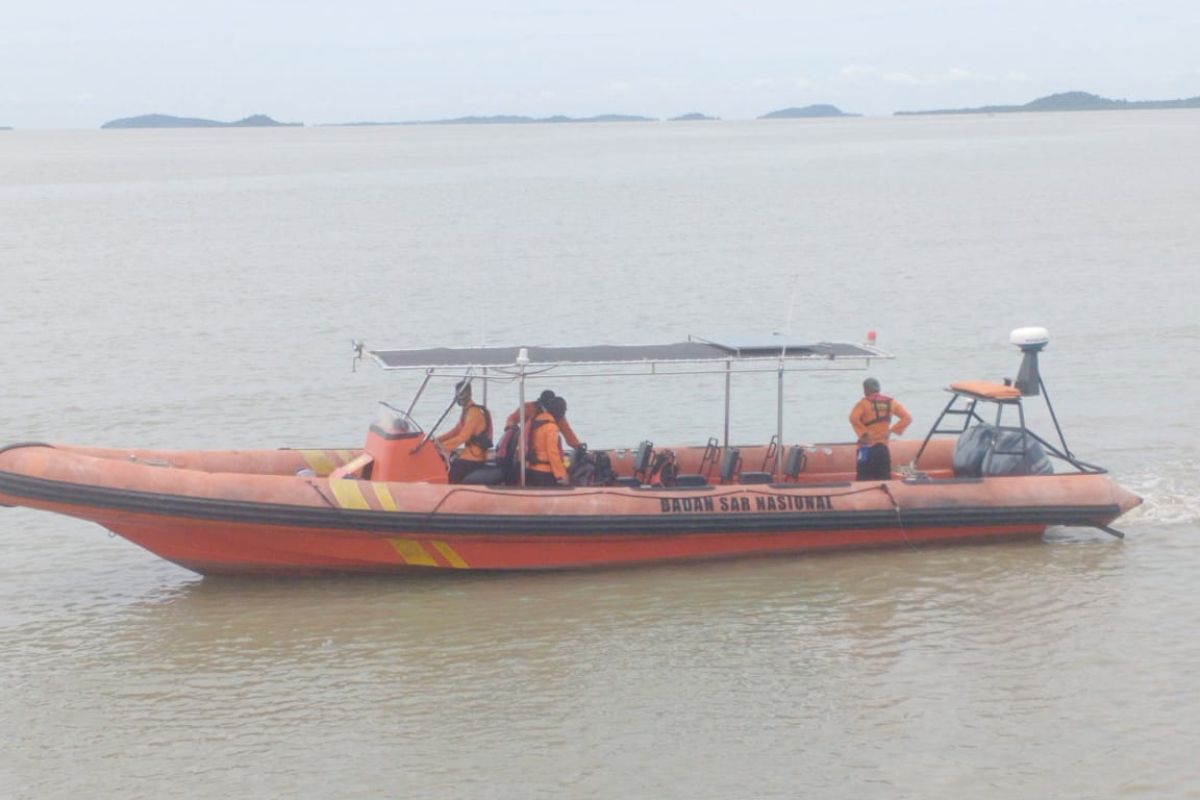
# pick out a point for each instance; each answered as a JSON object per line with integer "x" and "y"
{"x": 251, "y": 512}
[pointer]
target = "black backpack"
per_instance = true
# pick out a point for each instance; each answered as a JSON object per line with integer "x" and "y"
{"x": 663, "y": 470}
{"x": 602, "y": 471}
{"x": 583, "y": 466}
{"x": 508, "y": 455}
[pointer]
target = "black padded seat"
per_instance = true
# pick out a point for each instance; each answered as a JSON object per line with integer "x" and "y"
{"x": 642, "y": 457}
{"x": 632, "y": 482}
{"x": 690, "y": 480}
{"x": 730, "y": 463}
{"x": 487, "y": 475}
{"x": 794, "y": 463}
{"x": 755, "y": 477}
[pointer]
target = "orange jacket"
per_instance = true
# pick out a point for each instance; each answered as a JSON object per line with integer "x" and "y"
{"x": 471, "y": 422}
{"x": 546, "y": 452}
{"x": 872, "y": 416}
{"x": 531, "y": 411}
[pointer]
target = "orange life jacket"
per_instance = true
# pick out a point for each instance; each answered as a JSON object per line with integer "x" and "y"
{"x": 881, "y": 404}
{"x": 476, "y": 444}
{"x": 542, "y": 449}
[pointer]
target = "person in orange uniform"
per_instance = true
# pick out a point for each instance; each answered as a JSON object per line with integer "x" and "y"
{"x": 872, "y": 421}
{"x": 544, "y": 451}
{"x": 533, "y": 408}
{"x": 473, "y": 432}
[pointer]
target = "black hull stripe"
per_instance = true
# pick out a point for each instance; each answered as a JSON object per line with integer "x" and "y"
{"x": 387, "y": 522}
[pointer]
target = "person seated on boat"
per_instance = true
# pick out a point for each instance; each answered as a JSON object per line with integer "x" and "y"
{"x": 473, "y": 432}
{"x": 533, "y": 408}
{"x": 545, "y": 466}
{"x": 872, "y": 422}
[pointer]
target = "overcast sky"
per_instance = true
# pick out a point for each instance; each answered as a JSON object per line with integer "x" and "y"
{"x": 80, "y": 63}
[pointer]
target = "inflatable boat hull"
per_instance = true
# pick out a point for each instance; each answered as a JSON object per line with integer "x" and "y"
{"x": 251, "y": 513}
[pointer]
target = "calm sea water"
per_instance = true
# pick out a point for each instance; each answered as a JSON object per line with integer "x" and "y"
{"x": 199, "y": 289}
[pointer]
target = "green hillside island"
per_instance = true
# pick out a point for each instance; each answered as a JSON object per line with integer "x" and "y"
{"x": 1068, "y": 101}
{"x": 167, "y": 121}
{"x": 693, "y": 117}
{"x": 808, "y": 112}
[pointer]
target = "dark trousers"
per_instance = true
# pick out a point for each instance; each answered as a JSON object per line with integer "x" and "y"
{"x": 534, "y": 477}
{"x": 461, "y": 468}
{"x": 877, "y": 466}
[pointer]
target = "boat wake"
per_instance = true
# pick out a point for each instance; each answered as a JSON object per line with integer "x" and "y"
{"x": 1171, "y": 491}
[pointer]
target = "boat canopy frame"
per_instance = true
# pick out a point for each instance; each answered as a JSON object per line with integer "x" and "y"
{"x": 727, "y": 355}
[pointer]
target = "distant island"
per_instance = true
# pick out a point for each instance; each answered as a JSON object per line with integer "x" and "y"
{"x": 168, "y": 121}
{"x": 1068, "y": 101}
{"x": 1063, "y": 101}
{"x": 507, "y": 119}
{"x": 808, "y": 112}
{"x": 5, "y": 128}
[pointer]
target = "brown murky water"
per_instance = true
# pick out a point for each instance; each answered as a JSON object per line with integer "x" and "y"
{"x": 199, "y": 289}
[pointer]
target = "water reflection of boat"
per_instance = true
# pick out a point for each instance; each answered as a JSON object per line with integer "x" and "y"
{"x": 387, "y": 507}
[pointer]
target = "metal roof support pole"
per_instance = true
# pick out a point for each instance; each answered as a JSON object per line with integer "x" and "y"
{"x": 417, "y": 396}
{"x": 728, "y": 376}
{"x": 934, "y": 428}
{"x": 1024, "y": 438}
{"x": 779, "y": 426}
{"x": 522, "y": 362}
{"x": 987, "y": 459}
{"x": 485, "y": 385}
{"x": 1054, "y": 417}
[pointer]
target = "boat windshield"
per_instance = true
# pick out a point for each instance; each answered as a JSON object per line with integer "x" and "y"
{"x": 393, "y": 421}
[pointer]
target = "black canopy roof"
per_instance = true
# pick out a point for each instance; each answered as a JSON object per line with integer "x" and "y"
{"x": 694, "y": 350}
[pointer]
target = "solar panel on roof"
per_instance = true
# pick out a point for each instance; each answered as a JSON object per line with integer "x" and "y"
{"x": 690, "y": 351}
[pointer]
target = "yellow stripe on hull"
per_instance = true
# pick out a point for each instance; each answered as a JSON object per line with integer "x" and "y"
{"x": 386, "y": 501}
{"x": 348, "y": 495}
{"x": 413, "y": 553}
{"x": 320, "y": 461}
{"x": 451, "y": 556}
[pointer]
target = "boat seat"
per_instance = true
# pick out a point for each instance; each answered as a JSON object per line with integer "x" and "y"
{"x": 689, "y": 479}
{"x": 489, "y": 474}
{"x": 642, "y": 459}
{"x": 766, "y": 472}
{"x": 731, "y": 473}
{"x": 769, "y": 455}
{"x": 794, "y": 462}
{"x": 729, "y": 464}
{"x": 359, "y": 467}
{"x": 627, "y": 481}
{"x": 707, "y": 460}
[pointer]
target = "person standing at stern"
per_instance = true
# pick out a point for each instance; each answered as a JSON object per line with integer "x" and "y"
{"x": 872, "y": 422}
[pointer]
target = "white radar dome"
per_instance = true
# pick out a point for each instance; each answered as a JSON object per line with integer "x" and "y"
{"x": 1030, "y": 337}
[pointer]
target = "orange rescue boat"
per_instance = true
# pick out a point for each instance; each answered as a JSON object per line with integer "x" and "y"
{"x": 387, "y": 507}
